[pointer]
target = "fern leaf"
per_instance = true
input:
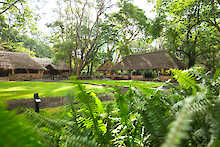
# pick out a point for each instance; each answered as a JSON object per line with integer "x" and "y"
{"x": 14, "y": 131}
{"x": 91, "y": 111}
{"x": 42, "y": 121}
{"x": 181, "y": 125}
{"x": 184, "y": 78}
{"x": 77, "y": 141}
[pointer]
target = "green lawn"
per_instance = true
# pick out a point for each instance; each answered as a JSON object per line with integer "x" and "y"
{"x": 26, "y": 89}
{"x": 20, "y": 90}
{"x": 145, "y": 87}
{"x": 125, "y": 83}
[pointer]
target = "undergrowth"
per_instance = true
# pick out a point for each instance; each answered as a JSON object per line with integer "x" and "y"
{"x": 185, "y": 115}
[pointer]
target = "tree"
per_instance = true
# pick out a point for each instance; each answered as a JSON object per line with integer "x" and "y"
{"x": 82, "y": 29}
{"x": 128, "y": 24}
{"x": 16, "y": 14}
{"x": 16, "y": 19}
{"x": 8, "y": 5}
{"x": 189, "y": 22}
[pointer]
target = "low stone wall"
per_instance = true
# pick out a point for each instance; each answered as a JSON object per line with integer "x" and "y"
{"x": 29, "y": 103}
{"x": 54, "y": 102}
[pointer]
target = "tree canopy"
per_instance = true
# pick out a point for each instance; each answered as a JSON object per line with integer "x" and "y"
{"x": 86, "y": 33}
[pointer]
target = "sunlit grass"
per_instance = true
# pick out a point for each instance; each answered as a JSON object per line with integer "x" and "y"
{"x": 146, "y": 87}
{"x": 26, "y": 89}
{"x": 125, "y": 83}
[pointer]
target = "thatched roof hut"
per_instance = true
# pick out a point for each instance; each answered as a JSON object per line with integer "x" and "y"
{"x": 106, "y": 66}
{"x": 152, "y": 60}
{"x": 19, "y": 66}
{"x": 62, "y": 66}
{"x": 45, "y": 62}
{"x": 17, "y": 60}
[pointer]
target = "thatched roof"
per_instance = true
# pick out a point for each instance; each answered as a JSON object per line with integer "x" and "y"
{"x": 153, "y": 60}
{"x": 44, "y": 62}
{"x": 61, "y": 65}
{"x": 106, "y": 66}
{"x": 17, "y": 60}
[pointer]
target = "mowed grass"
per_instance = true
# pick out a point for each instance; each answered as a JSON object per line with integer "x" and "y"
{"x": 146, "y": 87}
{"x": 125, "y": 83}
{"x": 25, "y": 89}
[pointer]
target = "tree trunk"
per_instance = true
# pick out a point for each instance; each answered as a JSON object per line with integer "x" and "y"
{"x": 70, "y": 62}
{"x": 192, "y": 61}
{"x": 88, "y": 70}
{"x": 78, "y": 72}
{"x": 91, "y": 69}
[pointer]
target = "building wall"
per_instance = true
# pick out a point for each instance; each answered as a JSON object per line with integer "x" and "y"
{"x": 26, "y": 76}
{"x": 4, "y": 78}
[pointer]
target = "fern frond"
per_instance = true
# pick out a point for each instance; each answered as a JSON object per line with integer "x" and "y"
{"x": 122, "y": 102}
{"x": 78, "y": 141}
{"x": 42, "y": 121}
{"x": 15, "y": 132}
{"x": 199, "y": 106}
{"x": 91, "y": 111}
{"x": 179, "y": 128}
{"x": 184, "y": 78}
{"x": 215, "y": 126}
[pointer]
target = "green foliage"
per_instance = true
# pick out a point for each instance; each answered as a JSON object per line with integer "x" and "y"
{"x": 122, "y": 102}
{"x": 17, "y": 47}
{"x": 188, "y": 23}
{"x": 195, "y": 115}
{"x": 79, "y": 142}
{"x": 217, "y": 75}
{"x": 156, "y": 117}
{"x": 184, "y": 115}
{"x": 186, "y": 80}
{"x": 124, "y": 29}
{"x": 91, "y": 110}
{"x": 58, "y": 132}
{"x": 15, "y": 131}
{"x": 14, "y": 25}
{"x": 179, "y": 128}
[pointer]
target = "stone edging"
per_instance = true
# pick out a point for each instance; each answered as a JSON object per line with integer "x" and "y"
{"x": 29, "y": 103}
{"x": 48, "y": 102}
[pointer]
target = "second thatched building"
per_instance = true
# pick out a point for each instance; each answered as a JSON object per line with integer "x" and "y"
{"x": 157, "y": 61}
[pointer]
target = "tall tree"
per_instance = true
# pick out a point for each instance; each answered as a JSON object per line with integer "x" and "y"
{"x": 16, "y": 18}
{"x": 129, "y": 24}
{"x": 82, "y": 28}
{"x": 16, "y": 14}
{"x": 188, "y": 24}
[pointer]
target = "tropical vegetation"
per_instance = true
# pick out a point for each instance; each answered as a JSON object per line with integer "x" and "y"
{"x": 184, "y": 115}
{"x": 183, "y": 111}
